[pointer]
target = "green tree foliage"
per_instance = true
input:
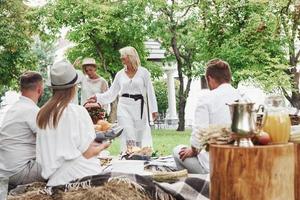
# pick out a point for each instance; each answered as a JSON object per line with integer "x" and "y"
{"x": 161, "y": 90}
{"x": 98, "y": 28}
{"x": 288, "y": 12}
{"x": 245, "y": 34}
{"x": 45, "y": 54}
{"x": 255, "y": 37}
{"x": 15, "y": 43}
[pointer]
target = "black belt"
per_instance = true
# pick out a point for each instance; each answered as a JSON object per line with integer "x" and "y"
{"x": 136, "y": 97}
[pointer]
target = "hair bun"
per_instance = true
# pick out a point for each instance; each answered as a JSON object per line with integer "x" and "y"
{"x": 222, "y": 65}
{"x": 218, "y": 63}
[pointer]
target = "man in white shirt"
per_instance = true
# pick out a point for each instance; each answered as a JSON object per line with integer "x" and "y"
{"x": 18, "y": 134}
{"x": 212, "y": 109}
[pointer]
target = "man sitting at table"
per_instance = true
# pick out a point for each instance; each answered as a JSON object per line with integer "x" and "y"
{"x": 18, "y": 134}
{"x": 211, "y": 110}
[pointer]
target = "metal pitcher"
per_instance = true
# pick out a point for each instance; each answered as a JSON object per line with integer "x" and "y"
{"x": 243, "y": 122}
{"x": 243, "y": 119}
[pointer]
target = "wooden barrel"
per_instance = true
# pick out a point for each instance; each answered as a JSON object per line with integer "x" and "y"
{"x": 259, "y": 172}
{"x": 297, "y": 171}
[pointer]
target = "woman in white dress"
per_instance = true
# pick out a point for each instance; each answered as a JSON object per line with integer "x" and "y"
{"x": 92, "y": 83}
{"x": 137, "y": 101}
{"x": 65, "y": 146}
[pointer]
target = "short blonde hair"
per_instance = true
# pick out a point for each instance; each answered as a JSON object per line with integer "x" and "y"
{"x": 132, "y": 55}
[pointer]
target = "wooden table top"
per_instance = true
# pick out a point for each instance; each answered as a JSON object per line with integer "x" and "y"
{"x": 230, "y": 146}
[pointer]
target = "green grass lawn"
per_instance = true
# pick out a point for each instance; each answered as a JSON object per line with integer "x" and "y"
{"x": 163, "y": 141}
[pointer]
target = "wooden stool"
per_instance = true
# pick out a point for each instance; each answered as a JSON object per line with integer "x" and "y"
{"x": 297, "y": 172}
{"x": 259, "y": 172}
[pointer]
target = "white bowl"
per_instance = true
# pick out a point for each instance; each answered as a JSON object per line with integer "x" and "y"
{"x": 128, "y": 166}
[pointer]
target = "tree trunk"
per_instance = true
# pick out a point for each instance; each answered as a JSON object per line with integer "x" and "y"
{"x": 292, "y": 33}
{"x": 295, "y": 93}
{"x": 181, "y": 61}
{"x": 294, "y": 99}
{"x": 113, "y": 111}
{"x": 181, "y": 114}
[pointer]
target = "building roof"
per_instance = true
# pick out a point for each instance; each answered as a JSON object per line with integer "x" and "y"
{"x": 154, "y": 49}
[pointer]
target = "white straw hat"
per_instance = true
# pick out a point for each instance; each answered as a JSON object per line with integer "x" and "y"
{"x": 63, "y": 75}
{"x": 89, "y": 61}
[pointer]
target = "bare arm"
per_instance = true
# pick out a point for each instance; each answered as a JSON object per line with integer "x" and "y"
{"x": 104, "y": 88}
{"x": 94, "y": 149}
{"x": 77, "y": 63}
{"x": 151, "y": 96}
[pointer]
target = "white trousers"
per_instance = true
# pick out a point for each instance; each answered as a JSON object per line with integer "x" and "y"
{"x": 137, "y": 131}
{"x": 192, "y": 164}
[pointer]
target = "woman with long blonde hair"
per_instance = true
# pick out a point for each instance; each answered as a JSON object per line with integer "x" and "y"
{"x": 137, "y": 101}
{"x": 65, "y": 137}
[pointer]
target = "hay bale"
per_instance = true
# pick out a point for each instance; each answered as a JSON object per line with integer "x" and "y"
{"x": 110, "y": 191}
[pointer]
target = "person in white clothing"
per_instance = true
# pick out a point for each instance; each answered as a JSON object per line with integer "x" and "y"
{"x": 91, "y": 82}
{"x": 65, "y": 137}
{"x": 212, "y": 109}
{"x": 18, "y": 134}
{"x": 137, "y": 101}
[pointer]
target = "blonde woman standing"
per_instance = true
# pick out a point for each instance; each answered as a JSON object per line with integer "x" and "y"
{"x": 136, "y": 98}
{"x": 65, "y": 137}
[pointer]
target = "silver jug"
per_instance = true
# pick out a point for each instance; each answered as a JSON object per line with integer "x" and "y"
{"x": 243, "y": 119}
{"x": 243, "y": 124}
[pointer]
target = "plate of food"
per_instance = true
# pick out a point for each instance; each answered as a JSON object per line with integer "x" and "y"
{"x": 106, "y": 131}
{"x": 137, "y": 153}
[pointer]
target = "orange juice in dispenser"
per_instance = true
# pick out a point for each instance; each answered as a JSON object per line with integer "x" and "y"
{"x": 276, "y": 121}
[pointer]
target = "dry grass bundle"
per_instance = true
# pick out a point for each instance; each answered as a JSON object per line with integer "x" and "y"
{"x": 114, "y": 190}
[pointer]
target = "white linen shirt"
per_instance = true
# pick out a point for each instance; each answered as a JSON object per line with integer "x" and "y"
{"x": 90, "y": 87}
{"x": 59, "y": 150}
{"x": 18, "y": 136}
{"x": 212, "y": 109}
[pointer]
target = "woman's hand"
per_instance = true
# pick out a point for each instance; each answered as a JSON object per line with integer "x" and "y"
{"x": 77, "y": 62}
{"x": 92, "y": 105}
{"x": 92, "y": 99}
{"x": 154, "y": 116}
{"x": 95, "y": 148}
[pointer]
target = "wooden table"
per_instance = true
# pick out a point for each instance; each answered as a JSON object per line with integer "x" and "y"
{"x": 260, "y": 173}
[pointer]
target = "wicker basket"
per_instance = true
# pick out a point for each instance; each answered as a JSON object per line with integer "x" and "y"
{"x": 169, "y": 177}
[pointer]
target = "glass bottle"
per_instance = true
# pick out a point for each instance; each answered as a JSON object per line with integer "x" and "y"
{"x": 277, "y": 121}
